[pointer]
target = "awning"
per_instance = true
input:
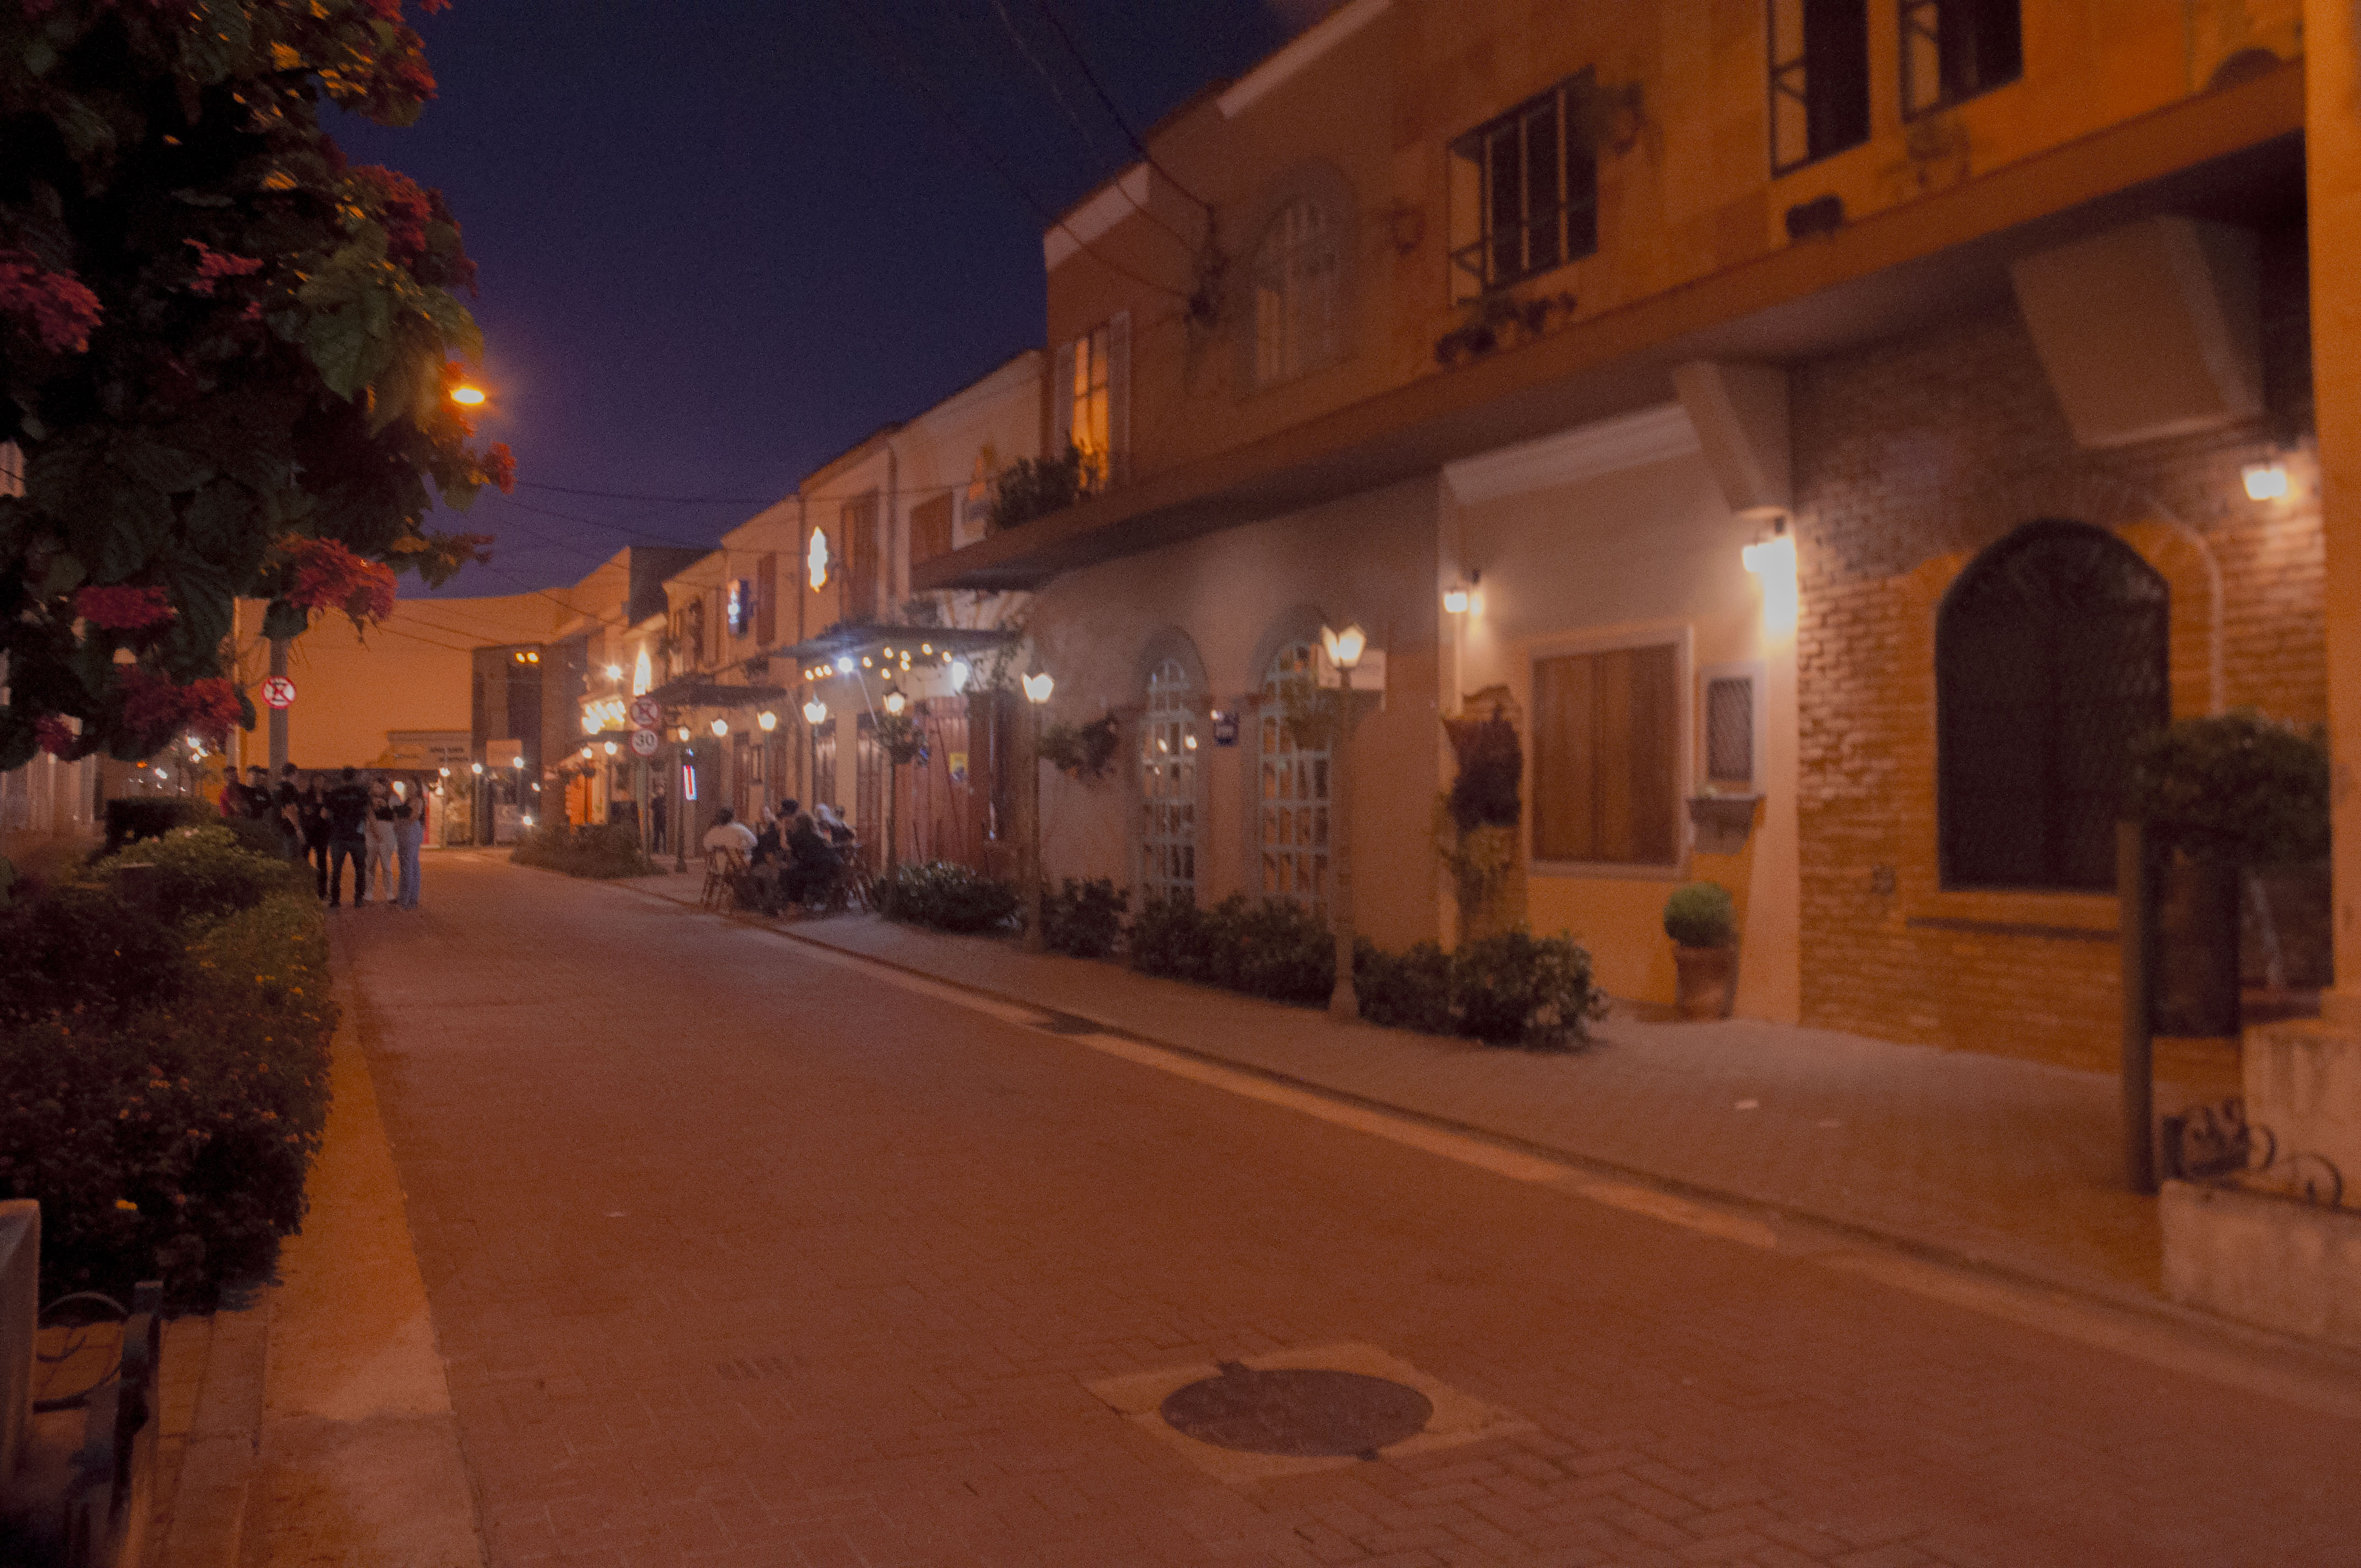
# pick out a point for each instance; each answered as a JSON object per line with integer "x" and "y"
{"x": 870, "y": 639}
{"x": 703, "y": 691}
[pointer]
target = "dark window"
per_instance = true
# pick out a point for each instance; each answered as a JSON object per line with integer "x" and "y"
{"x": 1730, "y": 730}
{"x": 857, "y": 575}
{"x": 1526, "y": 191}
{"x": 1819, "y": 80}
{"x": 2049, "y": 664}
{"x": 1953, "y": 49}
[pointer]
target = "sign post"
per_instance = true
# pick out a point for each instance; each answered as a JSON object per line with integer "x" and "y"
{"x": 278, "y": 692}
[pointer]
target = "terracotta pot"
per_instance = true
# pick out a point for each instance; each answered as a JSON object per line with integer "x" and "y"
{"x": 1709, "y": 981}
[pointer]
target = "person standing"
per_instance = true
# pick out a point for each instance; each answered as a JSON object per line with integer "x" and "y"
{"x": 656, "y": 822}
{"x": 312, "y": 819}
{"x": 258, "y": 803}
{"x": 378, "y": 880}
{"x": 346, "y": 807}
{"x": 286, "y": 813}
{"x": 409, "y": 833}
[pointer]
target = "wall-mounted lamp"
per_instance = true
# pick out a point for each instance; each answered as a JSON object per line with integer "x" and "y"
{"x": 816, "y": 559}
{"x": 767, "y": 720}
{"x": 1460, "y": 596}
{"x": 961, "y": 675}
{"x": 2265, "y": 481}
{"x": 1344, "y": 648}
{"x": 815, "y": 713}
{"x": 477, "y": 767}
{"x": 1774, "y": 553}
{"x": 585, "y": 753}
{"x": 614, "y": 672}
{"x": 613, "y": 747}
{"x": 896, "y": 701}
{"x": 684, "y": 732}
{"x": 1039, "y": 688}
{"x": 720, "y": 727}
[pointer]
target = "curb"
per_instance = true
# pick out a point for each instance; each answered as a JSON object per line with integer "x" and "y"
{"x": 223, "y": 1448}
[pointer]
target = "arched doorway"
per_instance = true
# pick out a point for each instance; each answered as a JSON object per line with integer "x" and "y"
{"x": 1167, "y": 786}
{"x": 1294, "y": 804}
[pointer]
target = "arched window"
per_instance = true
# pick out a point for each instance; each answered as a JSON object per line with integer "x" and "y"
{"x": 1296, "y": 270}
{"x": 1295, "y": 789}
{"x": 1168, "y": 786}
{"x": 2050, "y": 662}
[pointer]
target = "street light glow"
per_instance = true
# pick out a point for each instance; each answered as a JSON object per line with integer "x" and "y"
{"x": 1039, "y": 688}
{"x": 815, "y": 713}
{"x": 895, "y": 701}
{"x": 467, "y": 395}
{"x": 767, "y": 720}
{"x": 961, "y": 675}
{"x": 720, "y": 727}
{"x": 614, "y": 672}
{"x": 1344, "y": 648}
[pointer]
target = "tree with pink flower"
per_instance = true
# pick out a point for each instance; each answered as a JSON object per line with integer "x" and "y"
{"x": 226, "y": 355}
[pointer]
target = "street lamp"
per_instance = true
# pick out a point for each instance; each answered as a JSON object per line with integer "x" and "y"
{"x": 468, "y": 397}
{"x": 1036, "y": 694}
{"x": 1344, "y": 649}
{"x": 815, "y": 713}
{"x": 896, "y": 701}
{"x": 720, "y": 727}
{"x": 767, "y": 720}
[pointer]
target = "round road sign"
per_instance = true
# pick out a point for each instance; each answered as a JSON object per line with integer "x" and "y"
{"x": 646, "y": 714}
{"x": 645, "y": 742}
{"x": 278, "y": 692}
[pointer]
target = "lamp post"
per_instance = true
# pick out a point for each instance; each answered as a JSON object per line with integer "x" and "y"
{"x": 1036, "y": 694}
{"x": 1343, "y": 648}
{"x": 896, "y": 705}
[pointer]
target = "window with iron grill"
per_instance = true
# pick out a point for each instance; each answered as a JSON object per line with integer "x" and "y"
{"x": 2050, "y": 663}
{"x": 1524, "y": 192}
{"x": 1819, "y": 80}
{"x": 1295, "y": 789}
{"x": 1953, "y": 49}
{"x": 1730, "y": 730}
{"x": 1167, "y": 786}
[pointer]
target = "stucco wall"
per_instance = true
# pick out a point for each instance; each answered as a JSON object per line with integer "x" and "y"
{"x": 1232, "y": 595}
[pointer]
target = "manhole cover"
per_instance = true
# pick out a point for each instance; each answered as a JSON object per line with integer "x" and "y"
{"x": 1302, "y": 1413}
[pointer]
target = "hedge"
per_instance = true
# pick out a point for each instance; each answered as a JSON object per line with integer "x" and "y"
{"x": 602, "y": 850}
{"x": 946, "y": 896}
{"x": 164, "y": 1082}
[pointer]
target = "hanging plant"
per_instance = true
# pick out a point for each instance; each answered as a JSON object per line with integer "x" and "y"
{"x": 1493, "y": 316}
{"x": 1081, "y": 752}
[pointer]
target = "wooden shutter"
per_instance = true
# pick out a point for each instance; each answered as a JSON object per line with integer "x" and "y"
{"x": 1061, "y": 403}
{"x": 1606, "y": 744}
{"x": 1119, "y": 397}
{"x": 930, "y": 527}
{"x": 766, "y": 599}
{"x": 858, "y": 584}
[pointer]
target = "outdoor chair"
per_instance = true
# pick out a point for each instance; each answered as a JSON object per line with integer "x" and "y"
{"x": 849, "y": 888}
{"x": 721, "y": 872}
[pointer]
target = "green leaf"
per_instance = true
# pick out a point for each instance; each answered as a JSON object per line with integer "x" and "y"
{"x": 284, "y": 619}
{"x": 65, "y": 575}
{"x": 161, "y": 468}
{"x": 41, "y": 59}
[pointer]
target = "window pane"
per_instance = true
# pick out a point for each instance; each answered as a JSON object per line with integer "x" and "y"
{"x": 1507, "y": 205}
{"x": 1543, "y": 147}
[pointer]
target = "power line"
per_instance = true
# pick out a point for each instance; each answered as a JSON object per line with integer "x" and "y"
{"x": 1091, "y": 77}
{"x": 924, "y": 90}
{"x": 634, "y": 496}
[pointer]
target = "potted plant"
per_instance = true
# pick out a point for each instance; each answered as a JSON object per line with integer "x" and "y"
{"x": 2226, "y": 798}
{"x": 1703, "y": 924}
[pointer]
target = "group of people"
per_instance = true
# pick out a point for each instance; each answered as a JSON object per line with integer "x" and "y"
{"x": 374, "y": 821}
{"x": 792, "y": 860}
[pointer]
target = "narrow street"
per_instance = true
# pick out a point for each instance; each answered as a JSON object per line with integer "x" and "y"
{"x": 743, "y": 1254}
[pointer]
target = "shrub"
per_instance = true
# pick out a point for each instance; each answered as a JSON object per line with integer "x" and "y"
{"x": 603, "y": 849}
{"x": 1700, "y": 915}
{"x": 2236, "y": 788}
{"x": 946, "y": 896}
{"x": 1517, "y": 988}
{"x": 1404, "y": 990}
{"x": 1171, "y": 937}
{"x": 1264, "y": 947}
{"x": 132, "y": 818}
{"x": 254, "y": 836}
{"x": 79, "y": 949}
{"x": 1083, "y": 918}
{"x": 201, "y": 873}
{"x": 1492, "y": 772}
{"x": 1036, "y": 486}
{"x": 171, "y": 1141}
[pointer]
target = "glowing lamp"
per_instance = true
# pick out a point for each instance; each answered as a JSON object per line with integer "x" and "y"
{"x": 613, "y": 747}
{"x": 767, "y": 720}
{"x": 1455, "y": 600}
{"x": 590, "y": 724}
{"x": 961, "y": 675}
{"x": 2265, "y": 481}
{"x": 815, "y": 712}
{"x": 585, "y": 753}
{"x": 684, "y": 731}
{"x": 844, "y": 664}
{"x": 816, "y": 559}
{"x": 1344, "y": 648}
{"x": 516, "y": 763}
{"x": 468, "y": 397}
{"x": 477, "y": 767}
{"x": 1771, "y": 556}
{"x": 895, "y": 701}
{"x": 720, "y": 727}
{"x": 446, "y": 773}
{"x": 614, "y": 672}
{"x": 1039, "y": 688}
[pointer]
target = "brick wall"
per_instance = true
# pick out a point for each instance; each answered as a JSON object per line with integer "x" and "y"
{"x": 1912, "y": 457}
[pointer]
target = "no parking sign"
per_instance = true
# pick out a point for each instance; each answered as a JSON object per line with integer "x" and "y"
{"x": 278, "y": 692}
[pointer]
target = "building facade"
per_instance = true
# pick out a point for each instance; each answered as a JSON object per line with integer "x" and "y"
{"x": 1723, "y": 395}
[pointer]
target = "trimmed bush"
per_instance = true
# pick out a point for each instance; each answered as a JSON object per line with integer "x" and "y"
{"x": 944, "y": 896}
{"x": 1700, "y": 915}
{"x": 165, "y": 1122}
{"x": 79, "y": 949}
{"x": 1083, "y": 918}
{"x": 601, "y": 849}
{"x": 1404, "y": 990}
{"x": 201, "y": 873}
{"x": 1264, "y": 947}
{"x": 2234, "y": 788}
{"x": 1520, "y": 989}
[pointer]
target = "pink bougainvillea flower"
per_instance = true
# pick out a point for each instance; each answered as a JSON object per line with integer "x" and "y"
{"x": 123, "y": 608}
{"x": 328, "y": 575}
{"x": 500, "y": 468}
{"x": 212, "y": 265}
{"x": 54, "y": 306}
{"x": 53, "y": 735}
{"x": 152, "y": 705}
{"x": 398, "y": 202}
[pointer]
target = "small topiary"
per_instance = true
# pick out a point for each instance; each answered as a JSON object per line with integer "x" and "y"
{"x": 1701, "y": 916}
{"x": 2235, "y": 788}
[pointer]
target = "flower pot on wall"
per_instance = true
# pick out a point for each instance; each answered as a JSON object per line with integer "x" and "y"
{"x": 2197, "y": 949}
{"x": 1707, "y": 981}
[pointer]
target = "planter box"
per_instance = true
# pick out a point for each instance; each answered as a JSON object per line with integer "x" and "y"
{"x": 1709, "y": 981}
{"x": 2272, "y": 1262}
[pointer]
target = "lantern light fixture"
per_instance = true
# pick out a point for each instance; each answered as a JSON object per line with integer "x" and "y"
{"x": 1344, "y": 648}
{"x": 1039, "y": 688}
{"x": 815, "y": 712}
{"x": 720, "y": 727}
{"x": 2265, "y": 481}
{"x": 684, "y": 732}
{"x": 1772, "y": 555}
{"x": 477, "y": 767}
{"x": 767, "y": 720}
{"x": 961, "y": 675}
{"x": 896, "y": 701}
{"x": 516, "y": 762}
{"x": 613, "y": 747}
{"x": 844, "y": 664}
{"x": 614, "y": 672}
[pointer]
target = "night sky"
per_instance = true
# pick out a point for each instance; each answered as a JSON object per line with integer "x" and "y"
{"x": 722, "y": 240}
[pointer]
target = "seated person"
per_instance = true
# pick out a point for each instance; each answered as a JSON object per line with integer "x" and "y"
{"x": 831, "y": 826}
{"x": 767, "y": 842}
{"x": 729, "y": 833}
{"x": 811, "y": 863}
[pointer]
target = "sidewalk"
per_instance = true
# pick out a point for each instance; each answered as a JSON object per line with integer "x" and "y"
{"x": 1999, "y": 1163}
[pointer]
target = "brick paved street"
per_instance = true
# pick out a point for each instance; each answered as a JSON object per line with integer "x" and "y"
{"x": 738, "y": 1254}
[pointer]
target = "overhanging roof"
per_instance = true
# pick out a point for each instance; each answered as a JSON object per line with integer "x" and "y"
{"x": 869, "y": 638}
{"x": 2225, "y": 154}
{"x": 702, "y": 691}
